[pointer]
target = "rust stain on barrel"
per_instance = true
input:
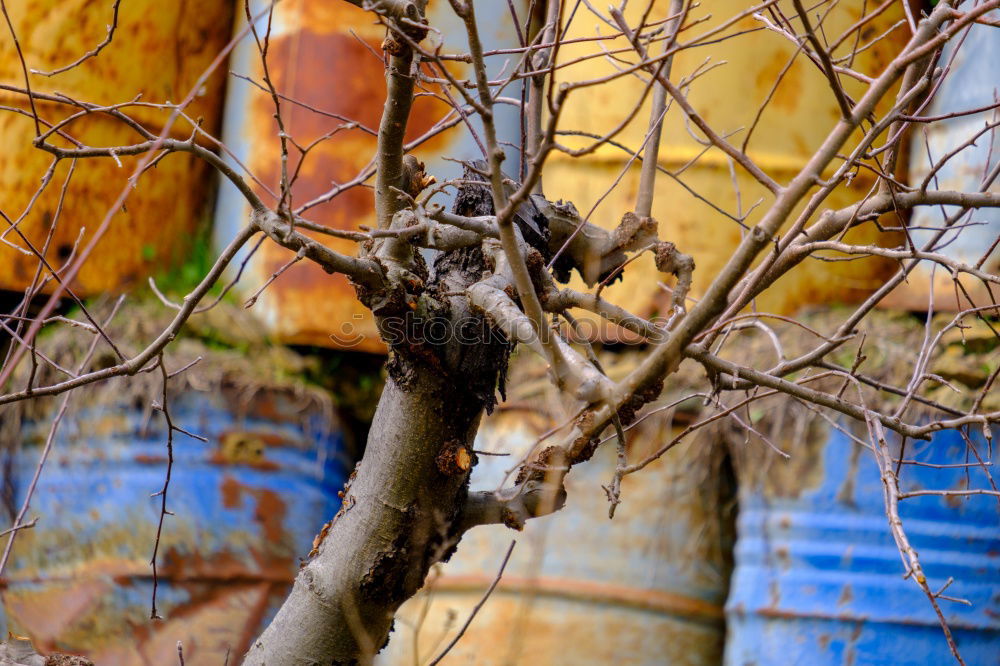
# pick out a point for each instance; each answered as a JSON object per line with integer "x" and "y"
{"x": 306, "y": 303}
{"x": 589, "y": 591}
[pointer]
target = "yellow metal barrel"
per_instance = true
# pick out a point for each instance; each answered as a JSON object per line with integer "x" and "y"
{"x": 735, "y": 76}
{"x": 157, "y": 49}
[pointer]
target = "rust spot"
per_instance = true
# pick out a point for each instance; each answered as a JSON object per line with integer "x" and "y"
{"x": 230, "y": 493}
{"x": 658, "y": 601}
{"x": 846, "y": 491}
{"x": 270, "y": 509}
{"x": 846, "y": 595}
{"x": 850, "y": 654}
{"x": 339, "y": 159}
{"x": 784, "y": 558}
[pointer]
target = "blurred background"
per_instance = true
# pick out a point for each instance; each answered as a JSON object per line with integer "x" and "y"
{"x": 722, "y": 551}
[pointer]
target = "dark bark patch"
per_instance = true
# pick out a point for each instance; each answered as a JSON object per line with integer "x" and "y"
{"x": 511, "y": 519}
{"x": 634, "y": 232}
{"x": 585, "y": 447}
{"x": 385, "y": 581}
{"x": 550, "y": 459}
{"x": 476, "y": 198}
{"x": 403, "y": 373}
{"x": 638, "y": 400}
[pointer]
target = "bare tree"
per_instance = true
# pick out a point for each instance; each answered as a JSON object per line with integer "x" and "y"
{"x": 491, "y": 267}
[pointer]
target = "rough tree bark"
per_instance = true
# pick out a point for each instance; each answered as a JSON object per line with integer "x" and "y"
{"x": 394, "y": 524}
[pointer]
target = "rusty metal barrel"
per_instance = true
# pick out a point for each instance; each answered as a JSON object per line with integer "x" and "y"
{"x": 245, "y": 504}
{"x": 818, "y": 577}
{"x": 158, "y": 49}
{"x": 325, "y": 57}
{"x": 643, "y": 589}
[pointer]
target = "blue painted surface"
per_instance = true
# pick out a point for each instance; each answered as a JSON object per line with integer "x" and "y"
{"x": 970, "y": 84}
{"x": 819, "y": 579}
{"x": 239, "y": 521}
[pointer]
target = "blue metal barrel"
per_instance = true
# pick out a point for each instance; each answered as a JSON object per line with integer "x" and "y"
{"x": 818, "y": 578}
{"x": 247, "y": 505}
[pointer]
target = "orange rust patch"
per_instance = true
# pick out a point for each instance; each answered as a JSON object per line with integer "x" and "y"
{"x": 306, "y": 304}
{"x": 270, "y": 509}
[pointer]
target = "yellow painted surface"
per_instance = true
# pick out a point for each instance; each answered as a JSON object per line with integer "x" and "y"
{"x": 802, "y": 112}
{"x": 160, "y": 50}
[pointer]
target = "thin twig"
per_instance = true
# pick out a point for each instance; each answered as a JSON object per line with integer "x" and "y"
{"x": 476, "y": 608}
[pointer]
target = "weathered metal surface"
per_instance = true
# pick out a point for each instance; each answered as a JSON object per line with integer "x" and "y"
{"x": 818, "y": 577}
{"x": 247, "y": 505}
{"x": 969, "y": 85}
{"x": 152, "y": 233}
{"x": 801, "y": 113}
{"x": 644, "y": 588}
{"x": 316, "y": 60}
{"x": 159, "y": 50}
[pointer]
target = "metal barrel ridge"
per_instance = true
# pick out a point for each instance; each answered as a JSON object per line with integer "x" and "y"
{"x": 246, "y": 505}
{"x": 644, "y": 589}
{"x": 818, "y": 577}
{"x": 739, "y": 74}
{"x": 971, "y": 83}
{"x": 159, "y": 49}
{"x": 326, "y": 59}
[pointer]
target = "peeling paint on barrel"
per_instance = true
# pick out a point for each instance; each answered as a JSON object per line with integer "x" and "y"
{"x": 743, "y": 70}
{"x": 818, "y": 577}
{"x": 970, "y": 84}
{"x": 80, "y": 581}
{"x": 645, "y": 588}
{"x": 305, "y": 305}
{"x": 159, "y": 50}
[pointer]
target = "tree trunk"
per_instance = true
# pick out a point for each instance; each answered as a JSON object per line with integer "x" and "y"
{"x": 395, "y": 522}
{"x": 402, "y": 507}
